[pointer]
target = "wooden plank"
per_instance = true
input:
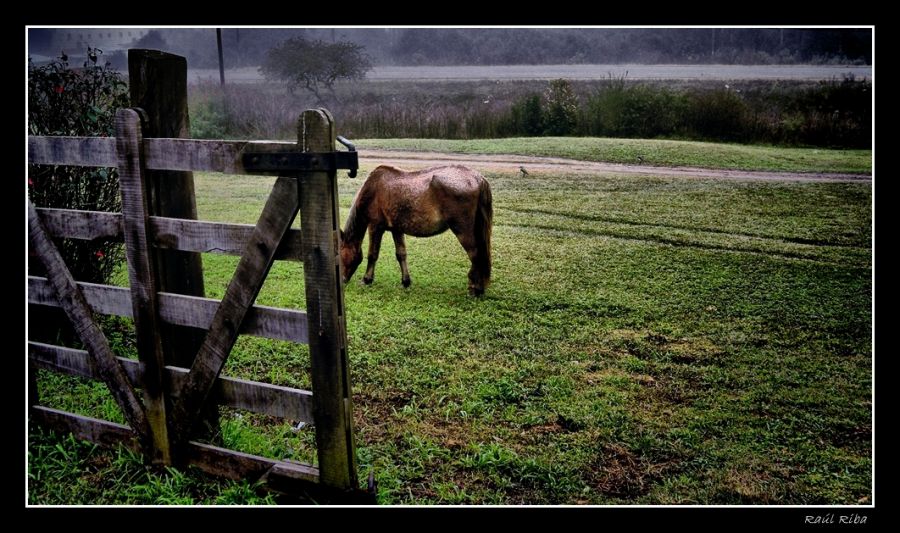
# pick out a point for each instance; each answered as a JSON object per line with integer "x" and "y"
{"x": 157, "y": 82}
{"x": 103, "y": 299}
{"x": 86, "y": 225}
{"x": 211, "y": 459}
{"x": 216, "y": 237}
{"x": 208, "y": 155}
{"x": 73, "y": 303}
{"x": 238, "y": 465}
{"x": 332, "y": 401}
{"x": 161, "y": 152}
{"x": 141, "y": 260}
{"x": 75, "y": 362}
{"x": 76, "y": 151}
{"x": 275, "y": 220}
{"x": 261, "y": 320}
{"x": 86, "y": 428}
{"x": 171, "y": 233}
{"x": 263, "y": 398}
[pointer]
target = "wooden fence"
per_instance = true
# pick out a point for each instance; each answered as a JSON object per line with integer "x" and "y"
{"x": 163, "y": 423}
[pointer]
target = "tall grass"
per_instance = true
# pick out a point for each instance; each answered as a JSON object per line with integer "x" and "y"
{"x": 834, "y": 113}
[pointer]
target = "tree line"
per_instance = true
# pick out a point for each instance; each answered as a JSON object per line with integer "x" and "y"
{"x": 504, "y": 46}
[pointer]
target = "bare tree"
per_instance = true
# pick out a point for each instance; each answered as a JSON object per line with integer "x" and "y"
{"x": 315, "y": 65}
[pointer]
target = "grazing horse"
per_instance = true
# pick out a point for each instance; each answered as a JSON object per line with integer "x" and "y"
{"x": 422, "y": 203}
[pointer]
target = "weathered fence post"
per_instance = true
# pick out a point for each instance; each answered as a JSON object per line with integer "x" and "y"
{"x": 141, "y": 264}
{"x": 158, "y": 85}
{"x": 332, "y": 402}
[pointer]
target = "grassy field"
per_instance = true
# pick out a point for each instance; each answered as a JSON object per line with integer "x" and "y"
{"x": 645, "y": 340}
{"x": 653, "y": 152}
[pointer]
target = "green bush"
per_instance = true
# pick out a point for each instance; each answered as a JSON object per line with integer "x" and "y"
{"x": 621, "y": 110}
{"x": 79, "y": 102}
{"x": 526, "y": 117}
{"x": 718, "y": 114}
{"x": 561, "y": 112}
{"x": 834, "y": 114}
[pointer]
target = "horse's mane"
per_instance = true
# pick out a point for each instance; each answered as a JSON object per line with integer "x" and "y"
{"x": 354, "y": 226}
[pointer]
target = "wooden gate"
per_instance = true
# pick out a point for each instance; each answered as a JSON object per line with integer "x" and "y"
{"x": 161, "y": 425}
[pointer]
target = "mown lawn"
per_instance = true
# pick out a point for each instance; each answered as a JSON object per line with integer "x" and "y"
{"x": 645, "y": 340}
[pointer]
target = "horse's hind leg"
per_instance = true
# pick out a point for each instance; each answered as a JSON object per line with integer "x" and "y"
{"x": 466, "y": 238}
{"x": 400, "y": 245}
{"x": 375, "y": 234}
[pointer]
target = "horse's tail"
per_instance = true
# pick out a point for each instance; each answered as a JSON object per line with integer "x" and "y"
{"x": 484, "y": 220}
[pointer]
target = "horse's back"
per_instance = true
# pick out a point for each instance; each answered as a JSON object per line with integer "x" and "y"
{"x": 454, "y": 179}
{"x": 423, "y": 202}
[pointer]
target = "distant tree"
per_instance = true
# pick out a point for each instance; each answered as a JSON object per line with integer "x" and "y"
{"x": 152, "y": 40}
{"x": 561, "y": 108}
{"x": 315, "y": 65}
{"x": 527, "y": 117}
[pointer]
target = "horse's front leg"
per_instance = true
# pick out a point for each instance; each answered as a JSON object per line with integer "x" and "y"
{"x": 400, "y": 245}
{"x": 375, "y": 234}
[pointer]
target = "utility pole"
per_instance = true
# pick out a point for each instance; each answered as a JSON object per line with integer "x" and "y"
{"x": 221, "y": 62}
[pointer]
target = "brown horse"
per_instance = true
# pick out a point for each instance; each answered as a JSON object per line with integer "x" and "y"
{"x": 421, "y": 204}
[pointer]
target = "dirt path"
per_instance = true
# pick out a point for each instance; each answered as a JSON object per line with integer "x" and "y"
{"x": 546, "y": 165}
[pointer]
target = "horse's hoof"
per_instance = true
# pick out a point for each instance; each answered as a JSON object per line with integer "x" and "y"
{"x": 475, "y": 292}
{"x": 406, "y": 283}
{"x": 368, "y": 281}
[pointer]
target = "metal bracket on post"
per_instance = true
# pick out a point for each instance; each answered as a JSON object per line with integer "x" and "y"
{"x": 287, "y": 163}
{"x": 351, "y": 148}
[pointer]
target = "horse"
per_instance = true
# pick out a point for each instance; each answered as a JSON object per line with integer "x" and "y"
{"x": 422, "y": 203}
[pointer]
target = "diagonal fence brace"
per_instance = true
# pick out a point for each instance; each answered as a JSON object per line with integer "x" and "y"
{"x": 79, "y": 312}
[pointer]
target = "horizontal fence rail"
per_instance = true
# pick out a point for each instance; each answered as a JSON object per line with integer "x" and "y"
{"x": 211, "y": 459}
{"x": 159, "y": 153}
{"x": 171, "y": 233}
{"x": 262, "y": 321}
{"x": 263, "y": 398}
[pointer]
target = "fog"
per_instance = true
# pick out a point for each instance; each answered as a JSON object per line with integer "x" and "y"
{"x": 246, "y": 47}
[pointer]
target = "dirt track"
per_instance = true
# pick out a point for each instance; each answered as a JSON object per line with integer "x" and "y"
{"x": 546, "y": 165}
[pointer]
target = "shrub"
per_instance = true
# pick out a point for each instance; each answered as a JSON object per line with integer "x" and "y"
{"x": 561, "y": 114}
{"x": 526, "y": 116}
{"x": 620, "y": 110}
{"x": 77, "y": 101}
{"x": 718, "y": 114}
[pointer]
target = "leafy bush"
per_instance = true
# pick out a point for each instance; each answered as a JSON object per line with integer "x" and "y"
{"x": 79, "y": 102}
{"x": 834, "y": 113}
{"x": 526, "y": 116}
{"x": 561, "y": 114}
{"x": 617, "y": 109}
{"x": 720, "y": 115}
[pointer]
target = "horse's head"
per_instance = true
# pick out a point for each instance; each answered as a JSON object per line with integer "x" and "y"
{"x": 351, "y": 257}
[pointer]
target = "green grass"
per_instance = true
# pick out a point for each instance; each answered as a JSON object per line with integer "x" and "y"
{"x": 654, "y": 152}
{"x": 645, "y": 340}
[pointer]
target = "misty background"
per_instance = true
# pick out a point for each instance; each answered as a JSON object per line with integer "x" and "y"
{"x": 482, "y": 46}
{"x": 782, "y": 86}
